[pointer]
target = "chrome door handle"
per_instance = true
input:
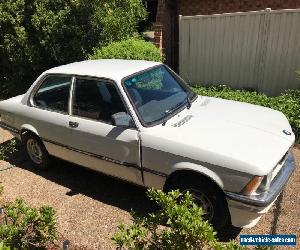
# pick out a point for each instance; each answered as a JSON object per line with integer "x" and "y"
{"x": 73, "y": 124}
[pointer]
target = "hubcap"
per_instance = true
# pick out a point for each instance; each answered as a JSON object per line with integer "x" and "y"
{"x": 34, "y": 151}
{"x": 202, "y": 201}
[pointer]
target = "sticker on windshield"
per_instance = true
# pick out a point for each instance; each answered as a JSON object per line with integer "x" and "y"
{"x": 130, "y": 82}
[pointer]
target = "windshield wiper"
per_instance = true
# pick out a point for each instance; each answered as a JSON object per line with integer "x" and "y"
{"x": 189, "y": 98}
{"x": 189, "y": 102}
{"x": 173, "y": 108}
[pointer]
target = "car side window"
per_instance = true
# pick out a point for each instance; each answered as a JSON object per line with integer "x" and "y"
{"x": 96, "y": 99}
{"x": 53, "y": 93}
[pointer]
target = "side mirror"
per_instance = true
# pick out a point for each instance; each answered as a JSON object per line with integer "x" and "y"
{"x": 122, "y": 119}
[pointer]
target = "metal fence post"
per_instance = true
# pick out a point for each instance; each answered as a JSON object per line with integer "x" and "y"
{"x": 264, "y": 48}
{"x": 180, "y": 45}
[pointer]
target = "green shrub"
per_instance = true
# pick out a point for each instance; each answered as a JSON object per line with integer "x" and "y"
{"x": 133, "y": 48}
{"x": 177, "y": 225}
{"x": 288, "y": 102}
{"x": 3, "y": 246}
{"x": 27, "y": 227}
{"x": 7, "y": 149}
{"x": 39, "y": 34}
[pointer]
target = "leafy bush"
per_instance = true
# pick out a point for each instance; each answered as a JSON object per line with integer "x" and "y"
{"x": 39, "y": 34}
{"x": 288, "y": 102}
{"x": 27, "y": 227}
{"x": 177, "y": 225}
{"x": 3, "y": 246}
{"x": 7, "y": 149}
{"x": 133, "y": 48}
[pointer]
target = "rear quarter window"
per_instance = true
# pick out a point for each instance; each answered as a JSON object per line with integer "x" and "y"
{"x": 53, "y": 93}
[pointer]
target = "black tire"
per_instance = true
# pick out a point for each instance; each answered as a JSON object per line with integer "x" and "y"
{"x": 203, "y": 189}
{"x": 32, "y": 142}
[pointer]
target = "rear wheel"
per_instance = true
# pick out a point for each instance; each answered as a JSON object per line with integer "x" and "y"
{"x": 36, "y": 151}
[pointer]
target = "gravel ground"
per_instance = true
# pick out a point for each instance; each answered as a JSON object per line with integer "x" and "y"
{"x": 90, "y": 205}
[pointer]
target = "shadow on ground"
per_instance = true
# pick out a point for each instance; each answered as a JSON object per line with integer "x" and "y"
{"x": 80, "y": 180}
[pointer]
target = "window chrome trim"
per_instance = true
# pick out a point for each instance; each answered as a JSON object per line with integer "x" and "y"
{"x": 72, "y": 88}
{"x": 70, "y": 106}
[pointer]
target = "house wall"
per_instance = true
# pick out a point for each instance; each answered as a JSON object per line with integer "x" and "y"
{"x": 166, "y": 30}
{"x": 166, "y": 35}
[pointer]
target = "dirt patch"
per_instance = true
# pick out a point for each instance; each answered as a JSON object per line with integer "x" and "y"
{"x": 90, "y": 205}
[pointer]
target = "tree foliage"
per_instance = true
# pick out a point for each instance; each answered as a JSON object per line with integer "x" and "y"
{"x": 39, "y": 34}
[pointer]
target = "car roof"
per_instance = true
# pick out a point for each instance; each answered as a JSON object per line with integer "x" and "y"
{"x": 114, "y": 69}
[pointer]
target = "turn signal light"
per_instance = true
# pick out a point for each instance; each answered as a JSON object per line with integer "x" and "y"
{"x": 252, "y": 185}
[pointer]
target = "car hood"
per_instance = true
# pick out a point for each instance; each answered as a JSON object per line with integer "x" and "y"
{"x": 235, "y": 135}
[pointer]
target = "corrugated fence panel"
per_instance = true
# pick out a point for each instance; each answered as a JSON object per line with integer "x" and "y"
{"x": 282, "y": 53}
{"x": 255, "y": 50}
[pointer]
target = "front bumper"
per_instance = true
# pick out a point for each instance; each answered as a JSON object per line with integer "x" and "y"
{"x": 246, "y": 211}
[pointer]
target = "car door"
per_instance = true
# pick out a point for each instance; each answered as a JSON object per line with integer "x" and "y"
{"x": 95, "y": 141}
{"x": 47, "y": 113}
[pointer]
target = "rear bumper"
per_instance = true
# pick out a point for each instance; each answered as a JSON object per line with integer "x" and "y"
{"x": 246, "y": 211}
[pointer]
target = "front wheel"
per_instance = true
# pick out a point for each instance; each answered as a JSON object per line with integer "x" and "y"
{"x": 207, "y": 196}
{"x": 36, "y": 151}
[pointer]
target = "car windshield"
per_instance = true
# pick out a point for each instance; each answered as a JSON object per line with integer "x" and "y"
{"x": 157, "y": 94}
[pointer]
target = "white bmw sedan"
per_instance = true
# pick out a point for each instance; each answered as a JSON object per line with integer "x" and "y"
{"x": 139, "y": 121}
